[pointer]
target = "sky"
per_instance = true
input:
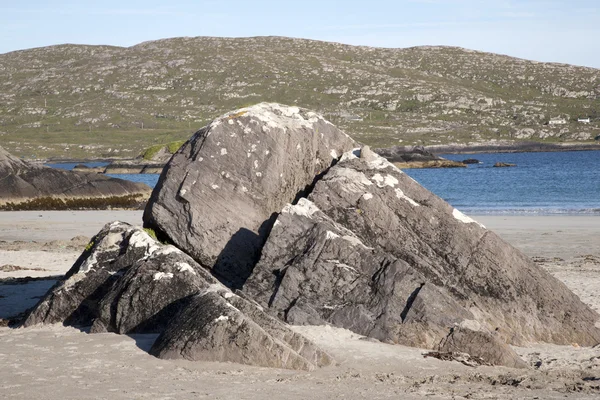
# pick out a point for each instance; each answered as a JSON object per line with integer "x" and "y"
{"x": 566, "y": 31}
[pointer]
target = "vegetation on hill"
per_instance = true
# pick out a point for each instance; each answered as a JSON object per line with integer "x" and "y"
{"x": 76, "y": 101}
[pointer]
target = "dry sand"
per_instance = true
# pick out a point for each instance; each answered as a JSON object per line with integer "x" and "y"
{"x": 58, "y": 362}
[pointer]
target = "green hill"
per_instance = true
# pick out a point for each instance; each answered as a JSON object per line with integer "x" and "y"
{"x": 75, "y": 101}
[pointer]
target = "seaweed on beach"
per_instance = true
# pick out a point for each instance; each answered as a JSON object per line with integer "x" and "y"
{"x": 134, "y": 202}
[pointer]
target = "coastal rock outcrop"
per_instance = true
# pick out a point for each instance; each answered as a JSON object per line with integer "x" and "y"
{"x": 127, "y": 282}
{"x": 372, "y": 251}
{"x": 220, "y": 193}
{"x": 22, "y": 184}
{"x": 269, "y": 200}
{"x": 416, "y": 157}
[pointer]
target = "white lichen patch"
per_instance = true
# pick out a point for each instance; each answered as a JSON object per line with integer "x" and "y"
{"x": 259, "y": 174}
{"x": 244, "y": 189}
{"x": 228, "y": 295}
{"x": 388, "y": 180}
{"x": 169, "y": 249}
{"x": 381, "y": 163}
{"x": 333, "y": 154}
{"x": 351, "y": 179}
{"x": 367, "y": 196}
{"x": 223, "y": 151}
{"x": 182, "y": 192}
{"x": 298, "y": 147}
{"x": 331, "y": 235}
{"x": 304, "y": 208}
{"x": 140, "y": 238}
{"x": 267, "y": 152}
{"x": 465, "y": 219}
{"x": 400, "y": 194}
{"x": 351, "y": 155}
{"x": 255, "y": 164}
{"x": 88, "y": 264}
{"x": 222, "y": 318}
{"x": 185, "y": 267}
{"x": 354, "y": 241}
{"x": 340, "y": 264}
{"x": 214, "y": 187}
{"x": 162, "y": 275}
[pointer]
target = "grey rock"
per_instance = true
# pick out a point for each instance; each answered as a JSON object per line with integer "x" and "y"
{"x": 219, "y": 194}
{"x": 125, "y": 282}
{"x": 21, "y": 181}
{"x": 373, "y": 251}
{"x": 220, "y": 326}
{"x": 483, "y": 345}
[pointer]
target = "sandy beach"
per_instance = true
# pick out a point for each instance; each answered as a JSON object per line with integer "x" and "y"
{"x": 59, "y": 362}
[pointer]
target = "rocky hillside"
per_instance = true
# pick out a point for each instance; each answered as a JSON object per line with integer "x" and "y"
{"x": 82, "y": 101}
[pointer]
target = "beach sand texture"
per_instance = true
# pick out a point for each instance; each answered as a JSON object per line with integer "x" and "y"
{"x": 57, "y": 362}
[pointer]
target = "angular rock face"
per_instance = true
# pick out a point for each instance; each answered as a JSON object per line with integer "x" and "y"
{"x": 21, "y": 181}
{"x": 220, "y": 326}
{"x": 126, "y": 282}
{"x": 373, "y": 251}
{"x": 218, "y": 195}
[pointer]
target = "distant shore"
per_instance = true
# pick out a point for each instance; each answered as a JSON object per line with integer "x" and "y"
{"x": 521, "y": 147}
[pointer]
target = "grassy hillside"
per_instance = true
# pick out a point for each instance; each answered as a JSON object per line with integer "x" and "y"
{"x": 100, "y": 101}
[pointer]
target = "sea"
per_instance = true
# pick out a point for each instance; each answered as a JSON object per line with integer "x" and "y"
{"x": 544, "y": 183}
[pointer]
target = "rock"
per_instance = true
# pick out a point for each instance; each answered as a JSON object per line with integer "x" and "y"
{"x": 503, "y": 164}
{"x": 482, "y": 345}
{"x": 471, "y": 161}
{"x": 372, "y": 251}
{"x": 134, "y": 167}
{"x": 220, "y": 326}
{"x": 127, "y": 282}
{"x": 25, "y": 185}
{"x": 416, "y": 157}
{"x": 89, "y": 170}
{"x": 219, "y": 194}
{"x": 124, "y": 282}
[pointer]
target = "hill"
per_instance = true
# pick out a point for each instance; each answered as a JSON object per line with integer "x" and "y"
{"x": 77, "y": 101}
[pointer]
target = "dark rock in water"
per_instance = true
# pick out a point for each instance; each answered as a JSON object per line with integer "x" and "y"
{"x": 503, "y": 164}
{"x": 416, "y": 157}
{"x": 126, "y": 282}
{"x": 134, "y": 167}
{"x": 219, "y": 194}
{"x": 22, "y": 182}
{"x": 471, "y": 161}
{"x": 407, "y": 154}
{"x": 372, "y": 251}
{"x": 220, "y": 326}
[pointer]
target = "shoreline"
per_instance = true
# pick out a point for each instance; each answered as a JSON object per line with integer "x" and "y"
{"x": 522, "y": 147}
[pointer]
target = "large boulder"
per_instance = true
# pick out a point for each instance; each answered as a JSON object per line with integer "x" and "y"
{"x": 221, "y": 326}
{"x": 373, "y": 251}
{"x": 124, "y": 282}
{"x": 219, "y": 194}
{"x": 127, "y": 282}
{"x": 26, "y": 185}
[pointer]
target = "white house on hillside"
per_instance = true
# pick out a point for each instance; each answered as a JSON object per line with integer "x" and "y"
{"x": 584, "y": 120}
{"x": 557, "y": 121}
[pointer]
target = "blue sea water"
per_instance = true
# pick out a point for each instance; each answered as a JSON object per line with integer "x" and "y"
{"x": 541, "y": 183}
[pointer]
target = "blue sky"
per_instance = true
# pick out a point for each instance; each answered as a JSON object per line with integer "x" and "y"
{"x": 546, "y": 30}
